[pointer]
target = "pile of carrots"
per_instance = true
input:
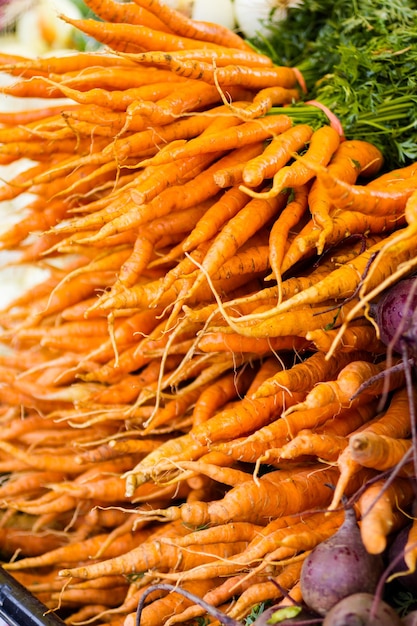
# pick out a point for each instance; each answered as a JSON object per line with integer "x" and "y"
{"x": 197, "y": 385}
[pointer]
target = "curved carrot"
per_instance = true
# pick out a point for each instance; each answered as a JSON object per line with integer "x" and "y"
{"x": 276, "y": 154}
{"x": 185, "y": 27}
{"x": 133, "y": 38}
{"x": 235, "y": 137}
{"x": 127, "y": 13}
{"x": 289, "y": 217}
{"x": 322, "y": 145}
{"x": 379, "y": 506}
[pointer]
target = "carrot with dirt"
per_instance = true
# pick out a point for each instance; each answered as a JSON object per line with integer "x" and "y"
{"x": 277, "y": 491}
{"x": 220, "y": 57}
{"x": 358, "y": 336}
{"x": 250, "y": 77}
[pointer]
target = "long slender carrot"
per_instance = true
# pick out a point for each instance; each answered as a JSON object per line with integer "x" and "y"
{"x": 235, "y": 137}
{"x": 133, "y": 38}
{"x": 185, "y": 27}
{"x": 220, "y": 56}
{"x": 322, "y": 145}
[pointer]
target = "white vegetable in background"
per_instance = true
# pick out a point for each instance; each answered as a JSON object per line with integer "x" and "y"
{"x": 42, "y": 28}
{"x": 250, "y": 14}
{"x": 184, "y": 6}
{"x": 218, "y": 11}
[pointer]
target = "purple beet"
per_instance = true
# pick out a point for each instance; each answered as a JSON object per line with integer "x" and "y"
{"x": 339, "y": 567}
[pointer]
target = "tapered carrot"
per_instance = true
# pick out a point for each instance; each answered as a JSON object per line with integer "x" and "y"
{"x": 378, "y": 451}
{"x": 325, "y": 447}
{"x": 280, "y": 431}
{"x": 289, "y": 217}
{"x": 342, "y": 282}
{"x": 129, "y": 13}
{"x": 222, "y": 593}
{"x": 323, "y": 143}
{"x": 234, "y": 342}
{"x": 304, "y": 375}
{"x": 395, "y": 422}
{"x": 73, "y": 552}
{"x": 154, "y": 554}
{"x": 251, "y": 77}
{"x": 276, "y": 154}
{"x": 357, "y": 336}
{"x": 360, "y": 198}
{"x": 267, "y": 590}
{"x": 220, "y": 57}
{"x": 238, "y": 531}
{"x": 272, "y": 492}
{"x": 379, "y": 507}
{"x": 170, "y": 604}
{"x": 350, "y": 380}
{"x": 351, "y": 159}
{"x": 185, "y": 27}
{"x": 269, "y": 97}
{"x": 133, "y": 38}
{"x": 235, "y": 137}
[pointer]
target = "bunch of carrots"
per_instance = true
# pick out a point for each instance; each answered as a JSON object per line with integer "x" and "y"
{"x": 197, "y": 385}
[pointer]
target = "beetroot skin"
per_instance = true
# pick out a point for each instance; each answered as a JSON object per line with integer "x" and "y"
{"x": 393, "y": 312}
{"x": 339, "y": 567}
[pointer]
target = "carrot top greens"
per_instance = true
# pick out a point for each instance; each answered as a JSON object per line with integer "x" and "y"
{"x": 358, "y": 58}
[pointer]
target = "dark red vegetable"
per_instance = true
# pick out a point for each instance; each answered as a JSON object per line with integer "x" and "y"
{"x": 396, "y": 317}
{"x": 339, "y": 567}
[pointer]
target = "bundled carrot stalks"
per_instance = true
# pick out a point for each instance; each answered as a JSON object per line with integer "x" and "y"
{"x": 205, "y": 255}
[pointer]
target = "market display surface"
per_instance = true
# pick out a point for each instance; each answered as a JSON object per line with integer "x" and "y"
{"x": 214, "y": 387}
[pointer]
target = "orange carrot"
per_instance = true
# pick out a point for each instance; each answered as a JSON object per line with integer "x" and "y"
{"x": 276, "y": 154}
{"x": 289, "y": 217}
{"x": 304, "y": 375}
{"x": 220, "y": 57}
{"x": 129, "y": 13}
{"x": 378, "y": 451}
{"x": 379, "y": 506}
{"x": 323, "y": 143}
{"x": 133, "y": 38}
{"x": 185, "y": 27}
{"x": 235, "y": 137}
